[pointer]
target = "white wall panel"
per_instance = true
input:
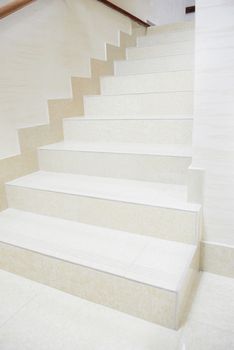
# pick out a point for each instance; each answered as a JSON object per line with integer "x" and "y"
{"x": 214, "y": 115}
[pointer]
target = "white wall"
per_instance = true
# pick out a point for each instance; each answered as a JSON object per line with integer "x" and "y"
{"x": 214, "y": 115}
{"x": 157, "y": 11}
{"x": 166, "y": 11}
{"x": 138, "y": 8}
{"x": 41, "y": 47}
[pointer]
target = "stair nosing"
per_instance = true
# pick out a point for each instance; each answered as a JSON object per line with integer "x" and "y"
{"x": 66, "y": 260}
{"x": 168, "y": 43}
{"x": 192, "y": 207}
{"x": 160, "y": 44}
{"x": 139, "y": 93}
{"x": 47, "y": 148}
{"x": 112, "y": 117}
{"x": 140, "y": 74}
{"x": 149, "y": 33}
{"x": 155, "y": 58}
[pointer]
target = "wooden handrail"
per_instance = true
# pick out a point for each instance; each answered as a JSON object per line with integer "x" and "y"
{"x": 13, "y": 6}
{"x": 126, "y": 13}
{"x": 16, "y": 5}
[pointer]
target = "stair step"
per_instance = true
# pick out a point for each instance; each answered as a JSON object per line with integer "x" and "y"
{"x": 171, "y": 27}
{"x": 140, "y": 104}
{"x": 177, "y": 130}
{"x": 113, "y": 251}
{"x": 107, "y": 217}
{"x": 165, "y": 38}
{"x": 154, "y": 65}
{"x": 160, "y": 163}
{"x": 160, "y": 269}
{"x": 147, "y": 83}
{"x": 176, "y": 48}
{"x": 136, "y": 206}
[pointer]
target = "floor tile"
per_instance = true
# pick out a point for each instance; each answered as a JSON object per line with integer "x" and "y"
{"x": 15, "y": 293}
{"x": 200, "y": 336}
{"x": 214, "y": 302}
{"x": 55, "y": 320}
{"x": 41, "y": 318}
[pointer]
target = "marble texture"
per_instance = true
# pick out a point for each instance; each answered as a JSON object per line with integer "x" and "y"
{"x": 144, "y": 209}
{"x": 144, "y": 131}
{"x": 58, "y": 320}
{"x": 143, "y": 104}
{"x": 156, "y": 163}
{"x": 150, "y": 303}
{"x": 170, "y": 27}
{"x": 153, "y": 65}
{"x": 147, "y": 83}
{"x": 213, "y": 147}
{"x": 159, "y": 263}
{"x": 148, "y": 193}
{"x": 217, "y": 258}
{"x": 162, "y": 38}
{"x": 66, "y": 321}
{"x": 15, "y": 296}
{"x": 176, "y": 48}
{"x": 210, "y": 322}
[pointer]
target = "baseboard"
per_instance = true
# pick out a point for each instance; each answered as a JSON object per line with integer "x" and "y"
{"x": 217, "y": 258}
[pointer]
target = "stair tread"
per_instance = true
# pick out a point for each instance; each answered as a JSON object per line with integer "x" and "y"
{"x": 173, "y": 150}
{"x": 123, "y": 190}
{"x": 144, "y": 259}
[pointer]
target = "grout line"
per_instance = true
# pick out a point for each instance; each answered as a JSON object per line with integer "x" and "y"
{"x": 19, "y": 310}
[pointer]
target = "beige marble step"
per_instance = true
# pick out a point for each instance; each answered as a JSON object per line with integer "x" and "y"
{"x": 142, "y": 276}
{"x": 158, "y": 163}
{"x": 147, "y": 208}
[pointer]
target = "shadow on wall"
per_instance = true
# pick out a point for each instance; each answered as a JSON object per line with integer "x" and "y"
{"x": 30, "y": 138}
{"x": 42, "y": 46}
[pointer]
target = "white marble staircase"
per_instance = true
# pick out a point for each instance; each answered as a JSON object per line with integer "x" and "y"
{"x": 107, "y": 217}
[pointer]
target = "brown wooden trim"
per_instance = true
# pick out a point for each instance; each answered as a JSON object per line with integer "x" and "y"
{"x": 190, "y": 9}
{"x": 124, "y": 12}
{"x": 13, "y": 6}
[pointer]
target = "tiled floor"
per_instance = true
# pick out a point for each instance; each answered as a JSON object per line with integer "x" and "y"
{"x": 36, "y": 317}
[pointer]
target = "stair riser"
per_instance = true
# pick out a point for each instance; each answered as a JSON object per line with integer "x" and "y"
{"x": 145, "y": 104}
{"x": 146, "y": 302}
{"x": 171, "y": 28}
{"x": 163, "y": 82}
{"x": 164, "y": 38}
{"x": 129, "y": 131}
{"x": 157, "y": 65}
{"x": 126, "y": 166}
{"x": 165, "y": 223}
{"x": 178, "y": 48}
